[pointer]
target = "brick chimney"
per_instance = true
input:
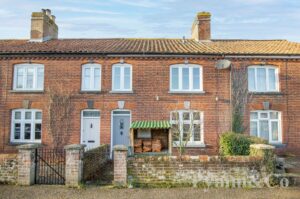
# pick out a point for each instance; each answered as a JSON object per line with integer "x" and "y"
{"x": 43, "y": 26}
{"x": 201, "y": 27}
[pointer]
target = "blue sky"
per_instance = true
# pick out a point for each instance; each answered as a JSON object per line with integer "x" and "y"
{"x": 231, "y": 19}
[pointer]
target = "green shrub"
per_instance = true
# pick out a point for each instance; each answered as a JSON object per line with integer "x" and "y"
{"x": 232, "y": 143}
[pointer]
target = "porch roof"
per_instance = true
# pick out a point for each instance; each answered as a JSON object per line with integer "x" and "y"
{"x": 162, "y": 124}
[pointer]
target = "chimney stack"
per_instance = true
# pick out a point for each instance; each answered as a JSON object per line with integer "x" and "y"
{"x": 201, "y": 27}
{"x": 43, "y": 26}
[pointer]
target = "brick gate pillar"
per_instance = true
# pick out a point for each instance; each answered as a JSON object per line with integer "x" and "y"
{"x": 26, "y": 163}
{"x": 74, "y": 164}
{"x": 120, "y": 165}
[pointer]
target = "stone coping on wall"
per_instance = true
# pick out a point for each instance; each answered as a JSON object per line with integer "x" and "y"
{"x": 199, "y": 158}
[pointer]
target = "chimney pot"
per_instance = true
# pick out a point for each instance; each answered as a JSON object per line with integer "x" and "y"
{"x": 48, "y": 12}
{"x": 201, "y": 27}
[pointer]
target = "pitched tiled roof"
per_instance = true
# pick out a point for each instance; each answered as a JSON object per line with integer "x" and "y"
{"x": 152, "y": 46}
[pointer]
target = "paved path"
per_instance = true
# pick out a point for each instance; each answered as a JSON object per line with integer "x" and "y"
{"x": 39, "y": 191}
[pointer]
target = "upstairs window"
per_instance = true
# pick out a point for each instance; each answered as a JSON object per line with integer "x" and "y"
{"x": 91, "y": 77}
{"x": 187, "y": 126}
{"x": 263, "y": 79}
{"x": 266, "y": 125}
{"x": 26, "y": 125}
{"x": 186, "y": 78}
{"x": 29, "y": 77}
{"x": 122, "y": 77}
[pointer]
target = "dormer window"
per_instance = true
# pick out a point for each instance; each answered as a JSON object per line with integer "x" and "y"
{"x": 263, "y": 79}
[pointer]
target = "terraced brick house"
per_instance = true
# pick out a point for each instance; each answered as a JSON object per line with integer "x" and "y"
{"x": 97, "y": 88}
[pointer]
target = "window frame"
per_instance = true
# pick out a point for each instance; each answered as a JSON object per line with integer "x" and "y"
{"x": 33, "y": 121}
{"x": 92, "y": 68}
{"x": 266, "y": 67}
{"x": 122, "y": 77}
{"x": 279, "y": 120}
{"x": 191, "y": 78}
{"x": 181, "y": 122}
{"x": 35, "y": 86}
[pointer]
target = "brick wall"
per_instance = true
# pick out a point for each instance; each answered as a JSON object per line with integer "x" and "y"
{"x": 8, "y": 168}
{"x": 150, "y": 79}
{"x": 197, "y": 171}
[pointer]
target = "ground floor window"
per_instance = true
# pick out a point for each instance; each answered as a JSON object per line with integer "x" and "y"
{"x": 187, "y": 126}
{"x": 266, "y": 125}
{"x": 26, "y": 125}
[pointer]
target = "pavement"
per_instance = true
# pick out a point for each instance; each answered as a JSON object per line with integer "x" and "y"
{"x": 86, "y": 192}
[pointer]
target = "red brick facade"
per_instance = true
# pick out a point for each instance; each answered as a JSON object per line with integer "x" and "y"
{"x": 150, "y": 78}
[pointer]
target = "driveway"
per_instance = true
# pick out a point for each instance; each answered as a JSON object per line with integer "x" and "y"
{"x": 39, "y": 191}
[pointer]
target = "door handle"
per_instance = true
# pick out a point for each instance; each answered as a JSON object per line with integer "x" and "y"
{"x": 121, "y": 132}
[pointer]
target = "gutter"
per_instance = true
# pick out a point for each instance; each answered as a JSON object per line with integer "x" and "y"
{"x": 175, "y": 55}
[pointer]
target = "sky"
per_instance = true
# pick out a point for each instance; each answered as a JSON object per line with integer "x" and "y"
{"x": 231, "y": 19}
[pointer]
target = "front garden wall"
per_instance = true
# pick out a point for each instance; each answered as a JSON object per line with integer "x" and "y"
{"x": 196, "y": 171}
{"x": 8, "y": 169}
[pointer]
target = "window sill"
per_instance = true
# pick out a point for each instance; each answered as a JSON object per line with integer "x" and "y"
{"x": 278, "y": 145}
{"x": 121, "y": 92}
{"x": 21, "y": 143}
{"x": 266, "y": 93}
{"x": 192, "y": 145}
{"x": 186, "y": 92}
{"x": 27, "y": 91}
{"x": 90, "y": 92}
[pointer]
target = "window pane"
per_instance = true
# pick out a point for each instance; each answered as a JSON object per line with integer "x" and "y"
{"x": 20, "y": 76}
{"x": 97, "y": 79}
{"x": 197, "y": 136}
{"x": 253, "y": 115}
{"x": 264, "y": 129}
{"x": 91, "y": 113}
{"x": 272, "y": 79}
{"x": 196, "y": 78}
{"x": 261, "y": 79}
{"x": 17, "y": 115}
{"x": 185, "y": 78}
{"x": 186, "y": 116}
{"x": 175, "y": 116}
{"x": 17, "y": 131}
{"x": 175, "y": 132}
{"x": 263, "y": 115}
{"x": 27, "y": 131}
{"x": 27, "y": 115}
{"x": 274, "y": 115}
{"x": 38, "y": 115}
{"x": 40, "y": 78}
{"x": 30, "y": 73}
{"x": 253, "y": 128}
{"x": 196, "y": 116}
{"x": 186, "y": 132}
{"x": 38, "y": 130}
{"x": 251, "y": 79}
{"x": 126, "y": 78}
{"x": 117, "y": 77}
{"x": 175, "y": 78}
{"x": 86, "y": 78}
{"x": 274, "y": 131}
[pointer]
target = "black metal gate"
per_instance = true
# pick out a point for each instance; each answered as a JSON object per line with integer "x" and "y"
{"x": 50, "y": 166}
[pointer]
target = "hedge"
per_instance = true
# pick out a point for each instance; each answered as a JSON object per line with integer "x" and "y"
{"x": 232, "y": 143}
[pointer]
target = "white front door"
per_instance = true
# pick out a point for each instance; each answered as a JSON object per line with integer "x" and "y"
{"x": 90, "y": 133}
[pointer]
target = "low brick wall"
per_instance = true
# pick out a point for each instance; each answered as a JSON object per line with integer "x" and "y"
{"x": 196, "y": 171}
{"x": 94, "y": 160}
{"x": 8, "y": 169}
